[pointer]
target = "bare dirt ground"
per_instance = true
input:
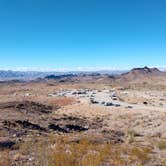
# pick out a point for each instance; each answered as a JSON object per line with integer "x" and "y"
{"x": 132, "y": 121}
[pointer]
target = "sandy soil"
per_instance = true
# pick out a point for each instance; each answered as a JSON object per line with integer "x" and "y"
{"x": 138, "y": 111}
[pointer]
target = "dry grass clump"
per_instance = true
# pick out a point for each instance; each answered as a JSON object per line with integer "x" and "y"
{"x": 163, "y": 163}
{"x": 5, "y": 159}
{"x": 77, "y": 150}
{"x": 82, "y": 151}
{"x": 2, "y": 133}
{"x": 162, "y": 145}
{"x": 131, "y": 136}
{"x": 140, "y": 154}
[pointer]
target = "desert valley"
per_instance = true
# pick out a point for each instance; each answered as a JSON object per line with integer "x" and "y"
{"x": 85, "y": 120}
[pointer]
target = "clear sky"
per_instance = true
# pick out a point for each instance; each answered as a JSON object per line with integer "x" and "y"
{"x": 78, "y": 34}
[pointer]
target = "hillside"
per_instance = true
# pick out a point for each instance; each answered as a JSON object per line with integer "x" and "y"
{"x": 141, "y": 75}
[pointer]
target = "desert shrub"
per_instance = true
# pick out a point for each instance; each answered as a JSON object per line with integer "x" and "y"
{"x": 2, "y": 133}
{"x": 163, "y": 162}
{"x": 162, "y": 145}
{"x": 141, "y": 154}
{"x": 131, "y": 136}
{"x": 5, "y": 158}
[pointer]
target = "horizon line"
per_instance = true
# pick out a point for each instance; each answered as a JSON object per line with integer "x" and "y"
{"x": 77, "y": 69}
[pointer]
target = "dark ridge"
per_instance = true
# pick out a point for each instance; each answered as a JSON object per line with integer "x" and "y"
{"x": 6, "y": 145}
{"x": 144, "y": 70}
{"x": 76, "y": 128}
{"x": 54, "y": 77}
{"x": 12, "y": 81}
{"x": 29, "y": 125}
{"x": 57, "y": 128}
{"x": 27, "y": 107}
{"x": 67, "y": 128}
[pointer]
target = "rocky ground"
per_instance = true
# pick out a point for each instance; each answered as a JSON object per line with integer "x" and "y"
{"x": 131, "y": 120}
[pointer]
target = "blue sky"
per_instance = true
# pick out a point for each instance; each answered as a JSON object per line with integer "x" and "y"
{"x": 79, "y": 34}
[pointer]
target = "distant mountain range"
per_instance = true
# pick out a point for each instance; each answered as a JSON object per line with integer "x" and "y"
{"x": 19, "y": 75}
{"x": 6, "y": 75}
{"x": 136, "y": 75}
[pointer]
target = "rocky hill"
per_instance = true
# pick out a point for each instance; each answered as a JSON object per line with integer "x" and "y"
{"x": 140, "y": 75}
